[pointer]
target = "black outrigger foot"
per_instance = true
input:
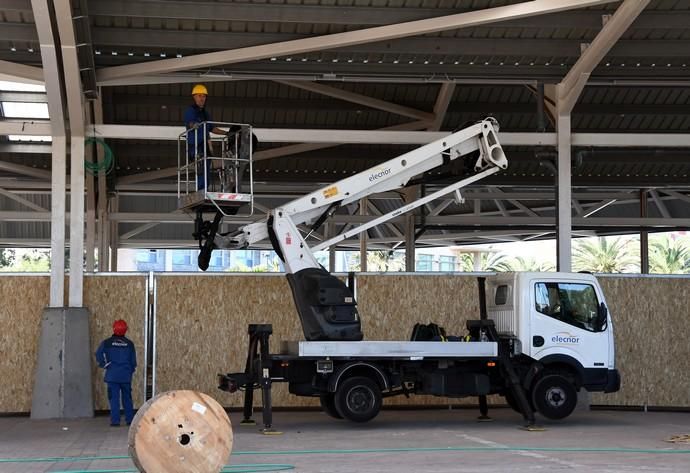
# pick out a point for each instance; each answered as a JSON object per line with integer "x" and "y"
{"x": 205, "y": 234}
{"x": 484, "y": 410}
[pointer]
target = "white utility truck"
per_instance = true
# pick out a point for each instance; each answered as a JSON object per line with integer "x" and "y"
{"x": 540, "y": 337}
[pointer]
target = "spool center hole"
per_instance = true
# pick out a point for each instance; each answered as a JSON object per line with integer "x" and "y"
{"x": 185, "y": 439}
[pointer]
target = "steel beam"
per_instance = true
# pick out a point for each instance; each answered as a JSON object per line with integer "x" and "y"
{"x": 25, "y": 97}
{"x": 344, "y": 15}
{"x": 26, "y": 170}
{"x": 51, "y": 68}
{"x": 360, "y": 99}
{"x": 189, "y": 43}
{"x": 304, "y": 147}
{"x": 350, "y": 38}
{"x": 676, "y": 195}
{"x": 25, "y": 148}
{"x": 663, "y": 210}
{"x": 34, "y": 128}
{"x": 22, "y": 200}
{"x": 464, "y": 220}
{"x": 14, "y": 72}
{"x": 571, "y": 86}
{"x": 443, "y": 99}
{"x": 339, "y": 136}
{"x": 147, "y": 176}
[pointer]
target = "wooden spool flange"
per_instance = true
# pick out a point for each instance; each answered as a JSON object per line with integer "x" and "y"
{"x": 180, "y": 432}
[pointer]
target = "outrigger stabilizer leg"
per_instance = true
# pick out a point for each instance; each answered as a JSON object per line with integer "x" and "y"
{"x": 205, "y": 233}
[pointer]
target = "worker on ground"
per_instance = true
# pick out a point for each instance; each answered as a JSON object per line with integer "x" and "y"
{"x": 119, "y": 359}
{"x": 199, "y": 135}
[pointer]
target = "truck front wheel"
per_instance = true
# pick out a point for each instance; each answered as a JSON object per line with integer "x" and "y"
{"x": 358, "y": 399}
{"x": 554, "y": 396}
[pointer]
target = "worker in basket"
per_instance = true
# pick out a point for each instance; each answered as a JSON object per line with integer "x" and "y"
{"x": 199, "y": 125}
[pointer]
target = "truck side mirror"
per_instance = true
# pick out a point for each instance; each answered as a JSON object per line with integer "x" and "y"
{"x": 602, "y": 318}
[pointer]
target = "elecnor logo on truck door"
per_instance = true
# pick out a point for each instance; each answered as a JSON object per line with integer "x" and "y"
{"x": 379, "y": 173}
{"x": 565, "y": 338}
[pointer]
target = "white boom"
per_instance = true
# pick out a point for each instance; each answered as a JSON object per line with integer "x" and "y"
{"x": 281, "y": 224}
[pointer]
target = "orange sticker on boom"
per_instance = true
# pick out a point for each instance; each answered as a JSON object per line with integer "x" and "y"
{"x": 330, "y": 192}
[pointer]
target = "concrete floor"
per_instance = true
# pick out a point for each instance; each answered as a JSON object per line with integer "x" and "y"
{"x": 637, "y": 439}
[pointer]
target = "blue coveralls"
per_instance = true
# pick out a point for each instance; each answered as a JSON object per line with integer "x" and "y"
{"x": 197, "y": 139}
{"x": 119, "y": 358}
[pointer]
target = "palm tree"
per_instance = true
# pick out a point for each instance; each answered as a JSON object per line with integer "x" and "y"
{"x": 603, "y": 255}
{"x": 488, "y": 261}
{"x": 380, "y": 260}
{"x": 530, "y": 264}
{"x": 669, "y": 256}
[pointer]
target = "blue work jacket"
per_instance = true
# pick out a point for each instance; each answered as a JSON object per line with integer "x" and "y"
{"x": 195, "y": 114}
{"x": 119, "y": 358}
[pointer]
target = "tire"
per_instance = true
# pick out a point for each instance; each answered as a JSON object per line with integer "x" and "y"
{"x": 554, "y": 396}
{"x": 358, "y": 399}
{"x": 328, "y": 405}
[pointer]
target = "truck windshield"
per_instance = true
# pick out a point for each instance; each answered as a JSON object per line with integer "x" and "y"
{"x": 574, "y": 304}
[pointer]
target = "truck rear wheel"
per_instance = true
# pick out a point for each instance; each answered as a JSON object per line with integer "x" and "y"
{"x": 554, "y": 396}
{"x": 328, "y": 405}
{"x": 358, "y": 399}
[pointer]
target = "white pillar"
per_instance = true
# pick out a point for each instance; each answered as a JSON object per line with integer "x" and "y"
{"x": 57, "y": 221}
{"x": 363, "y": 237}
{"x": 564, "y": 190}
{"x": 76, "y": 226}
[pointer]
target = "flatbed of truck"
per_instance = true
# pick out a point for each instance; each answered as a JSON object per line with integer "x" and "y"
{"x": 390, "y": 349}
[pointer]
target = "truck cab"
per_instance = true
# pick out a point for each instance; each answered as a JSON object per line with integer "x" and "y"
{"x": 562, "y": 327}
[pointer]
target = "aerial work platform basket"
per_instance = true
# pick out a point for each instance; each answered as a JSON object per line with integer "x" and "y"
{"x": 214, "y": 173}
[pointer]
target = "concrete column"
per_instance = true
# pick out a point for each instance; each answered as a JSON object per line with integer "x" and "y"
{"x": 363, "y": 237}
{"x": 62, "y": 386}
{"x": 409, "y": 243}
{"x": 644, "y": 236}
{"x": 90, "y": 242}
{"x": 114, "y": 234}
{"x": 564, "y": 221}
{"x": 102, "y": 193}
{"x": 57, "y": 221}
{"x": 330, "y": 233}
{"x": 76, "y": 233}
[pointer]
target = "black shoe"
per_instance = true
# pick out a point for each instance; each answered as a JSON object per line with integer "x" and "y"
{"x": 129, "y": 423}
{"x": 114, "y": 425}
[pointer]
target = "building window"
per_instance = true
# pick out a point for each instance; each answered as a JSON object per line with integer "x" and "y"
{"x": 182, "y": 258}
{"x": 447, "y": 263}
{"x": 147, "y": 256}
{"x": 424, "y": 262}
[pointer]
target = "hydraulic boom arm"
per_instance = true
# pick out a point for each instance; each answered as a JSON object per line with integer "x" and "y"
{"x": 326, "y": 306}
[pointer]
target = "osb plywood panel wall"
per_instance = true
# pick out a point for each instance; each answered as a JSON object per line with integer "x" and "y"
{"x": 202, "y": 322}
{"x": 652, "y": 332}
{"x": 110, "y": 298}
{"x": 202, "y": 326}
{"x": 201, "y": 330}
{"x": 22, "y": 301}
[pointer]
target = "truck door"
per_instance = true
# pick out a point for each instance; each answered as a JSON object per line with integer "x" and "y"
{"x": 564, "y": 322}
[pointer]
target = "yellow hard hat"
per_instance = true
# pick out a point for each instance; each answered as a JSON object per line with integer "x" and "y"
{"x": 199, "y": 89}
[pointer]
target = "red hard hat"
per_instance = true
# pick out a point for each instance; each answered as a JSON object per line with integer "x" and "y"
{"x": 119, "y": 327}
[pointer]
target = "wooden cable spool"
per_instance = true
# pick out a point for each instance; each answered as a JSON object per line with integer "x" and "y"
{"x": 180, "y": 432}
